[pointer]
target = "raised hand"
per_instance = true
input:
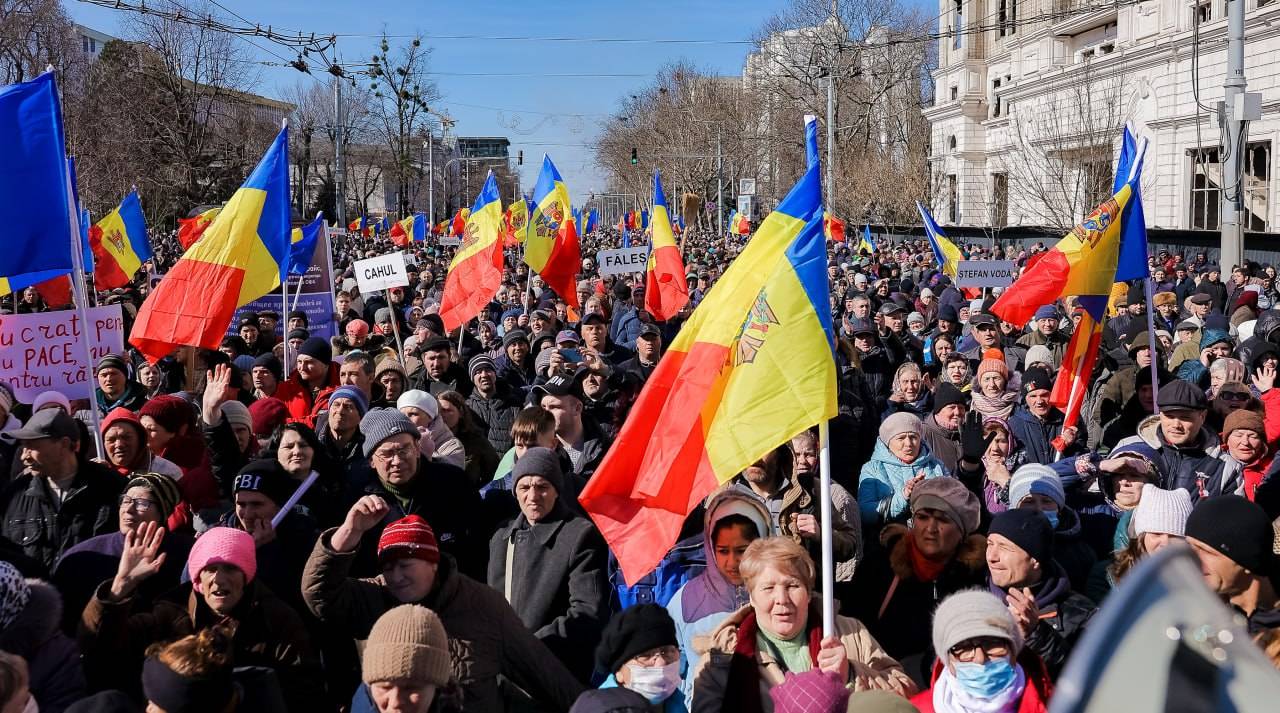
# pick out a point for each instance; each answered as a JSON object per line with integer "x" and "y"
{"x": 362, "y": 517}
{"x": 140, "y": 560}
{"x": 1264, "y": 377}
{"x": 973, "y": 445}
{"x": 217, "y": 391}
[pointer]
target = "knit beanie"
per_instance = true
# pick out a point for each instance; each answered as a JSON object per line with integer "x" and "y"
{"x": 268, "y": 414}
{"x": 949, "y": 497}
{"x": 47, "y": 397}
{"x": 480, "y": 362}
{"x": 409, "y": 536}
{"x": 1035, "y": 479}
{"x": 303, "y": 335}
{"x": 631, "y": 632}
{"x": 542, "y": 362}
{"x": 420, "y": 400}
{"x": 357, "y": 328}
{"x": 971, "y": 614}
{"x": 265, "y": 476}
{"x": 1237, "y": 528}
{"x": 269, "y": 362}
{"x": 171, "y": 412}
{"x": 988, "y": 364}
{"x": 222, "y": 545}
{"x": 1243, "y": 419}
{"x": 947, "y": 394}
{"x": 14, "y": 594}
{"x": 352, "y": 394}
{"x": 1161, "y": 511}
{"x": 1037, "y": 353}
{"x": 244, "y": 363}
{"x": 237, "y": 414}
{"x": 317, "y": 348}
{"x": 1036, "y": 379}
{"x": 810, "y": 692}
{"x": 539, "y": 461}
{"x": 112, "y": 361}
{"x": 163, "y": 488}
{"x": 1027, "y": 529}
{"x": 899, "y": 423}
{"x": 407, "y": 643}
{"x": 382, "y": 423}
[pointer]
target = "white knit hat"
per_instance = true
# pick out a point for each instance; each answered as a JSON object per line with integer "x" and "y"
{"x": 1162, "y": 511}
{"x": 1034, "y": 478}
{"x": 420, "y": 400}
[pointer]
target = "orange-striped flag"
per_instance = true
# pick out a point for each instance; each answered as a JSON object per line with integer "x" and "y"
{"x": 666, "y": 291}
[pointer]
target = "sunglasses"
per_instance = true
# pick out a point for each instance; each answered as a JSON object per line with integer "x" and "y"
{"x": 1233, "y": 395}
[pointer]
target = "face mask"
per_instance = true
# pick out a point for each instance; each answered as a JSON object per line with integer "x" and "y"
{"x": 1053, "y": 517}
{"x": 655, "y": 683}
{"x": 31, "y": 706}
{"x": 985, "y": 681}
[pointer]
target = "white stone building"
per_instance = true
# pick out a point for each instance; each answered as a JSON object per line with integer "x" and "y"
{"x": 1031, "y": 96}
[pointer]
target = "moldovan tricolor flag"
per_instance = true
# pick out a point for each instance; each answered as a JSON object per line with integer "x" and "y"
{"x": 516, "y": 223}
{"x": 242, "y": 256}
{"x": 551, "y": 249}
{"x": 666, "y": 291}
{"x": 751, "y": 368}
{"x": 120, "y": 244}
{"x": 190, "y": 229}
{"x": 476, "y": 271}
{"x": 411, "y": 229}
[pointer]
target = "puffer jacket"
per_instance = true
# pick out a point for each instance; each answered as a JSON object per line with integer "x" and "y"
{"x": 1037, "y": 436}
{"x": 495, "y": 415}
{"x": 1198, "y": 468}
{"x": 55, "y": 676}
{"x": 486, "y": 637}
{"x": 1063, "y": 617}
{"x": 880, "y": 497}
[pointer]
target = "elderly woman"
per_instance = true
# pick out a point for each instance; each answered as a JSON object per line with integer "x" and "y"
{"x": 992, "y": 394}
{"x": 955, "y": 369}
{"x": 780, "y": 632}
{"x": 424, "y": 411}
{"x": 982, "y": 665}
{"x": 909, "y": 393}
{"x": 901, "y": 460}
{"x": 999, "y": 459}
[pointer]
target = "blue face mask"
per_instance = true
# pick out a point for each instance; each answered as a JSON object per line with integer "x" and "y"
{"x": 985, "y": 681}
{"x": 1053, "y": 517}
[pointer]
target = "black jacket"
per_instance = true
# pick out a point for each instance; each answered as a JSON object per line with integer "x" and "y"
{"x": 1063, "y": 616}
{"x": 43, "y": 528}
{"x": 495, "y": 416}
{"x": 453, "y": 379}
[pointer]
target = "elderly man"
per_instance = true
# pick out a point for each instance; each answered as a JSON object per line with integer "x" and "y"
{"x": 549, "y": 563}
{"x": 1037, "y": 423}
{"x": 985, "y": 332}
{"x": 59, "y": 500}
{"x": 266, "y": 374}
{"x": 1047, "y": 334}
{"x": 115, "y": 387}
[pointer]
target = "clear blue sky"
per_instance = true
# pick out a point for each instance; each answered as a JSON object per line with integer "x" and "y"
{"x": 556, "y": 115}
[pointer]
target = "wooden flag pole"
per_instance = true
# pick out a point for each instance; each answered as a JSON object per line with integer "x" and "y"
{"x": 395, "y": 327}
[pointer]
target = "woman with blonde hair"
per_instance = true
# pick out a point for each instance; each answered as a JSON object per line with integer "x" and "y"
{"x": 780, "y": 631}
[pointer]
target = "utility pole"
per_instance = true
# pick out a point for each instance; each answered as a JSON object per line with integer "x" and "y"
{"x": 431, "y": 180}
{"x": 339, "y": 161}
{"x": 831, "y": 136}
{"x": 719, "y": 183}
{"x": 1237, "y": 109}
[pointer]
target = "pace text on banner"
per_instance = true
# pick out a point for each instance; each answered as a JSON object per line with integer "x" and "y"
{"x": 752, "y": 367}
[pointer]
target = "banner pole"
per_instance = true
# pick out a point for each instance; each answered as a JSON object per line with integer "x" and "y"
{"x": 828, "y": 563}
{"x": 284, "y": 307}
{"x": 395, "y": 327}
{"x": 82, "y": 302}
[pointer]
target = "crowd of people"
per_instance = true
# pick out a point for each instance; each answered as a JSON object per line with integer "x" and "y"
{"x": 386, "y": 523}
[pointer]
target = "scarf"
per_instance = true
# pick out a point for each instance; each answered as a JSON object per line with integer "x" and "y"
{"x": 1000, "y": 406}
{"x": 925, "y": 569}
{"x": 949, "y": 697}
{"x": 742, "y": 689}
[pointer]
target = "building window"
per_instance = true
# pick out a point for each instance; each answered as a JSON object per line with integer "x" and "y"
{"x": 1206, "y": 187}
{"x": 951, "y": 142}
{"x": 1000, "y": 199}
{"x": 958, "y": 25}
{"x": 995, "y": 98}
{"x": 1008, "y": 17}
{"x": 955, "y": 92}
{"x": 953, "y": 199}
{"x": 1203, "y": 12}
{"x": 88, "y": 44}
{"x": 1097, "y": 177}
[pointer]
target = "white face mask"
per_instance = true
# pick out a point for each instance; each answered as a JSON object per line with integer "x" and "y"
{"x": 31, "y": 706}
{"x": 655, "y": 683}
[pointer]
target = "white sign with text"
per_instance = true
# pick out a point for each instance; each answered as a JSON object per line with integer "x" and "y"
{"x": 43, "y": 351}
{"x": 623, "y": 260}
{"x": 985, "y": 273}
{"x": 381, "y": 273}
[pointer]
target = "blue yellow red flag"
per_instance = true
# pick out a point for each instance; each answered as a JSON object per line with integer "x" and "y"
{"x": 551, "y": 249}
{"x": 243, "y": 255}
{"x": 1132, "y": 263}
{"x": 475, "y": 274}
{"x": 666, "y": 289}
{"x": 120, "y": 244}
{"x": 752, "y": 367}
{"x": 34, "y": 195}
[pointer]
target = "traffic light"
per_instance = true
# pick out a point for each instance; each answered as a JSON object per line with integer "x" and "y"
{"x": 634, "y": 159}
{"x": 520, "y": 158}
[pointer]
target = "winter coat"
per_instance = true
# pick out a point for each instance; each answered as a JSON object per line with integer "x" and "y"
{"x": 302, "y": 402}
{"x": 454, "y": 378}
{"x": 1056, "y": 343}
{"x": 54, "y": 674}
{"x": 94, "y": 561}
{"x": 896, "y": 605}
{"x": 281, "y": 560}
{"x": 114, "y": 637}
{"x": 495, "y": 415}
{"x": 714, "y": 687}
{"x": 479, "y": 459}
{"x": 615, "y": 699}
{"x": 1037, "y": 436}
{"x": 798, "y": 500}
{"x": 1071, "y": 550}
{"x": 44, "y": 530}
{"x": 1197, "y": 468}
{"x": 558, "y": 585}
{"x": 944, "y": 443}
{"x": 880, "y": 497}
{"x": 1063, "y": 617}
{"x": 486, "y": 637}
{"x": 1035, "y": 698}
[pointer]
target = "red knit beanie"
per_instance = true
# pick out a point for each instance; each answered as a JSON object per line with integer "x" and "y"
{"x": 268, "y": 414}
{"x": 171, "y": 412}
{"x": 409, "y": 537}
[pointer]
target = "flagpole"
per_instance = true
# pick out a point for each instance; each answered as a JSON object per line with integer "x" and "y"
{"x": 284, "y": 306}
{"x": 395, "y": 327}
{"x": 825, "y": 522}
{"x": 82, "y": 302}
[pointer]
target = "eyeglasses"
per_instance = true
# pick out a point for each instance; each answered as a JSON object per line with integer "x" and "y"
{"x": 404, "y": 453}
{"x": 142, "y": 505}
{"x": 1233, "y": 395}
{"x": 967, "y": 651}
{"x": 658, "y": 657}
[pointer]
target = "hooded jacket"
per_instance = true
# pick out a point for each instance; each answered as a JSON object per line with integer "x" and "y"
{"x": 880, "y": 497}
{"x": 702, "y": 603}
{"x": 1198, "y": 468}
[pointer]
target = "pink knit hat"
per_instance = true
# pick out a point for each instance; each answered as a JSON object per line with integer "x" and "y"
{"x": 222, "y": 545}
{"x": 809, "y": 692}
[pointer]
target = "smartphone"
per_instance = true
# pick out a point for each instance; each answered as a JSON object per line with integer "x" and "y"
{"x": 572, "y": 356}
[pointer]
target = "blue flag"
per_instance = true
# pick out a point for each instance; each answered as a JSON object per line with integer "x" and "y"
{"x": 1132, "y": 263}
{"x": 301, "y": 250}
{"x": 33, "y": 184}
{"x": 626, "y": 238}
{"x": 811, "y": 140}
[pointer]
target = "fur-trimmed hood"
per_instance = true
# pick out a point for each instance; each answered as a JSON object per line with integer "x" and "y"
{"x": 38, "y": 622}
{"x": 971, "y": 555}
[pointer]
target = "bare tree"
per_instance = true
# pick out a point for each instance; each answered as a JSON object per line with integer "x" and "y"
{"x": 402, "y": 94}
{"x": 35, "y": 34}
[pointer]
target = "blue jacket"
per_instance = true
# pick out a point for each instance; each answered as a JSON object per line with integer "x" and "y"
{"x": 625, "y": 327}
{"x": 1037, "y": 436}
{"x": 883, "y": 477}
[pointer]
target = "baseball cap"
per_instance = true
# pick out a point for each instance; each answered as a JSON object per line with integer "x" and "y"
{"x": 47, "y": 423}
{"x": 558, "y": 385}
{"x": 568, "y": 335}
